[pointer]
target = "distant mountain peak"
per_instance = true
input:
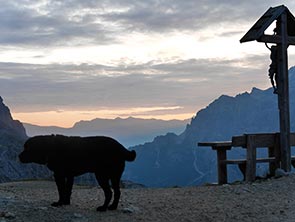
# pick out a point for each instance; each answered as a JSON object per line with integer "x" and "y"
{"x": 255, "y": 90}
{"x": 8, "y": 126}
{"x": 129, "y": 131}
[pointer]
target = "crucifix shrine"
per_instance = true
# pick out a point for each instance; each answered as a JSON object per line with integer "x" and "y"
{"x": 283, "y": 36}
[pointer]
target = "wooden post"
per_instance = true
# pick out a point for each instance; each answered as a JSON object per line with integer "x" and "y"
{"x": 251, "y": 159}
{"x": 273, "y": 165}
{"x": 283, "y": 94}
{"x": 221, "y": 167}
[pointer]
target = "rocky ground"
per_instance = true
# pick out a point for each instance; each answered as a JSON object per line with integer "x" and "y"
{"x": 269, "y": 200}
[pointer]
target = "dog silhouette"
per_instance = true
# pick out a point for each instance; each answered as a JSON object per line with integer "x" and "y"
{"x": 68, "y": 157}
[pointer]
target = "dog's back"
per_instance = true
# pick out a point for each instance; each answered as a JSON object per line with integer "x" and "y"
{"x": 88, "y": 154}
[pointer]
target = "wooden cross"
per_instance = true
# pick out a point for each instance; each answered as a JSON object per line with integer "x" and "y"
{"x": 284, "y": 36}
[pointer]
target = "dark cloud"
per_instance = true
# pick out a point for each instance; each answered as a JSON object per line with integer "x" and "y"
{"x": 74, "y": 22}
{"x": 174, "y": 15}
{"x": 28, "y": 26}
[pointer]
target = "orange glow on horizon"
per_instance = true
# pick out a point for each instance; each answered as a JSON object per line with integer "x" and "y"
{"x": 67, "y": 119}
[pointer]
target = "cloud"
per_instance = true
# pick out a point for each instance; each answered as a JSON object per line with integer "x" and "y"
{"x": 192, "y": 15}
{"x": 100, "y": 22}
{"x": 33, "y": 25}
{"x": 183, "y": 83}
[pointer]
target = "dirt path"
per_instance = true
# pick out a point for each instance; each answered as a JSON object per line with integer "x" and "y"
{"x": 271, "y": 200}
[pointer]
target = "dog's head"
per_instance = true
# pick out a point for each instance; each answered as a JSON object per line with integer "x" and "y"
{"x": 35, "y": 151}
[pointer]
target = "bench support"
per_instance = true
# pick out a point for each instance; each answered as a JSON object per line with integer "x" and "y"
{"x": 251, "y": 159}
{"x": 221, "y": 167}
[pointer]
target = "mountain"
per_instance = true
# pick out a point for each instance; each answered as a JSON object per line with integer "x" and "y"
{"x": 171, "y": 159}
{"x": 176, "y": 160}
{"x": 8, "y": 126}
{"x": 12, "y": 138}
{"x": 130, "y": 131}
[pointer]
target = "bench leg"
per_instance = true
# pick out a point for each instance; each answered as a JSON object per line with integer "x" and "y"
{"x": 221, "y": 167}
{"x": 273, "y": 165}
{"x": 242, "y": 167}
{"x": 251, "y": 159}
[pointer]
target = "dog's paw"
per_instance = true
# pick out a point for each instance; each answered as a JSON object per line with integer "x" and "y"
{"x": 112, "y": 207}
{"x": 66, "y": 202}
{"x": 101, "y": 209}
{"x": 57, "y": 204}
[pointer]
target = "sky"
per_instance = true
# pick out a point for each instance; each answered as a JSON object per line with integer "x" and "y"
{"x": 68, "y": 60}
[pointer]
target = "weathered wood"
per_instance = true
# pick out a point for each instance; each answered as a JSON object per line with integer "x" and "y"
{"x": 283, "y": 94}
{"x": 234, "y": 161}
{"x": 221, "y": 148}
{"x": 277, "y": 151}
{"x": 251, "y": 158}
{"x": 284, "y": 35}
{"x": 263, "y": 23}
{"x": 258, "y": 160}
{"x": 259, "y": 140}
{"x": 216, "y": 144}
{"x": 221, "y": 168}
{"x": 276, "y": 39}
{"x": 243, "y": 167}
{"x": 251, "y": 142}
{"x": 292, "y": 139}
{"x": 239, "y": 141}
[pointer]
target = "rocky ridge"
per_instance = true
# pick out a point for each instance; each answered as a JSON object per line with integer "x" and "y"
{"x": 12, "y": 138}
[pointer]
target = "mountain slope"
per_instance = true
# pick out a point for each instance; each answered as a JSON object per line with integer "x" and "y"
{"x": 12, "y": 138}
{"x": 175, "y": 160}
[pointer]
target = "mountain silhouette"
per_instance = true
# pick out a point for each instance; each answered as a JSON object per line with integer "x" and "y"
{"x": 129, "y": 131}
{"x": 176, "y": 160}
{"x": 12, "y": 138}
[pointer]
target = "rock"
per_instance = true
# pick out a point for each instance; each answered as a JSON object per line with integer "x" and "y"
{"x": 76, "y": 215}
{"x": 281, "y": 173}
{"x": 42, "y": 208}
{"x": 130, "y": 210}
{"x": 127, "y": 184}
{"x": 79, "y": 218}
{"x": 7, "y": 215}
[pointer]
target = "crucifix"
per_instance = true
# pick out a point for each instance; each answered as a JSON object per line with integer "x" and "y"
{"x": 283, "y": 36}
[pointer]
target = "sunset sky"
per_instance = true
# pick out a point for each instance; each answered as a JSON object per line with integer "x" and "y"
{"x": 64, "y": 61}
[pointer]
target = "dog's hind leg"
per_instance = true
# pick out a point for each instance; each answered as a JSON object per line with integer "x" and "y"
{"x": 117, "y": 193}
{"x": 104, "y": 184}
{"x": 68, "y": 190}
{"x": 115, "y": 179}
{"x": 61, "y": 187}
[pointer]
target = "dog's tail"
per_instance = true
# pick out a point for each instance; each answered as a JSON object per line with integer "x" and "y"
{"x": 130, "y": 155}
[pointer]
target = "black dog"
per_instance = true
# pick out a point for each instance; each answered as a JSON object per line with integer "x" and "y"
{"x": 68, "y": 157}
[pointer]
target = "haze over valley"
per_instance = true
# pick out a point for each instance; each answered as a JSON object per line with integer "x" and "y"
{"x": 129, "y": 131}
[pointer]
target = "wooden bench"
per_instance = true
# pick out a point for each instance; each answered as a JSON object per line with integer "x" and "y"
{"x": 250, "y": 142}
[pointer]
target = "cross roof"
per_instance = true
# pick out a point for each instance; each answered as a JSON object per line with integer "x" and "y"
{"x": 272, "y": 14}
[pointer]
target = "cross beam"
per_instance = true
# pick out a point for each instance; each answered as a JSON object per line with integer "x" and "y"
{"x": 276, "y": 39}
